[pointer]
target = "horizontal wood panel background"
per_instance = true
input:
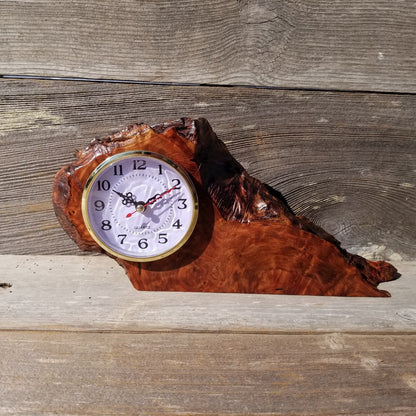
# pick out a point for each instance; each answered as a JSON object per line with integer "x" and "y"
{"x": 345, "y": 160}
{"x": 77, "y": 339}
{"x": 356, "y": 45}
{"x": 126, "y": 374}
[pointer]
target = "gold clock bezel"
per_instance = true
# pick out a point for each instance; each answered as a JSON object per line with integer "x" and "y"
{"x": 125, "y": 155}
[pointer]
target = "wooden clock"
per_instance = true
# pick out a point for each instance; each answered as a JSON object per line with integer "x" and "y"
{"x": 172, "y": 206}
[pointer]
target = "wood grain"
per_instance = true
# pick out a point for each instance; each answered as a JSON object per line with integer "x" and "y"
{"x": 345, "y": 160}
{"x": 190, "y": 373}
{"x": 92, "y": 293}
{"x": 366, "y": 45}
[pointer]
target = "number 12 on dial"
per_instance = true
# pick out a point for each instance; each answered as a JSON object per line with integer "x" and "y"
{"x": 140, "y": 206}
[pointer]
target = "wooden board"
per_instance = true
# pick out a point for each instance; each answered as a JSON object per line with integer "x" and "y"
{"x": 366, "y": 45}
{"x": 76, "y": 338}
{"x": 345, "y": 160}
{"x": 92, "y": 293}
{"x": 190, "y": 373}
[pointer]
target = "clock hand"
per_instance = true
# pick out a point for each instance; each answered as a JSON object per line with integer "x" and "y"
{"x": 141, "y": 207}
{"x": 153, "y": 199}
{"x": 128, "y": 198}
{"x": 119, "y": 193}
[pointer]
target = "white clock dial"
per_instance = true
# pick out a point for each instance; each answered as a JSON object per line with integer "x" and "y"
{"x": 139, "y": 206}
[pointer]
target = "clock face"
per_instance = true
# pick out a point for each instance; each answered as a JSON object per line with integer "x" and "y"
{"x": 139, "y": 206}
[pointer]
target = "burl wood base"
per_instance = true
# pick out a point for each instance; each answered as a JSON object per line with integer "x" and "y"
{"x": 247, "y": 239}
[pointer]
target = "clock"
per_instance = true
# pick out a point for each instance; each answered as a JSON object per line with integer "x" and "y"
{"x": 178, "y": 212}
{"x": 139, "y": 206}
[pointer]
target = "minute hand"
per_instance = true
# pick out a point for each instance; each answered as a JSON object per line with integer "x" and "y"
{"x": 155, "y": 198}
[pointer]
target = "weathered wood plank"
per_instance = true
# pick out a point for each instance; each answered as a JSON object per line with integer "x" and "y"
{"x": 189, "y": 373}
{"x": 364, "y": 45}
{"x": 345, "y": 160}
{"x": 92, "y": 293}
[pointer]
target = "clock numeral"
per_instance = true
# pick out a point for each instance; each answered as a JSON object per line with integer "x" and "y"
{"x": 103, "y": 185}
{"x": 139, "y": 164}
{"x": 105, "y": 225}
{"x": 160, "y": 169}
{"x": 99, "y": 205}
{"x": 177, "y": 224}
{"x": 143, "y": 244}
{"x": 176, "y": 183}
{"x": 162, "y": 238}
{"x": 118, "y": 170}
{"x": 182, "y": 203}
{"x": 122, "y": 237}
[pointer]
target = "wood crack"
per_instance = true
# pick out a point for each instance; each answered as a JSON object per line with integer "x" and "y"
{"x": 195, "y": 84}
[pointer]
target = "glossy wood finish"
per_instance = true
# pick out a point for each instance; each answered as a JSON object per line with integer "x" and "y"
{"x": 247, "y": 239}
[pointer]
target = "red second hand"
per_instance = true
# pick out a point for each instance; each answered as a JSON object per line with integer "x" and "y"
{"x": 152, "y": 201}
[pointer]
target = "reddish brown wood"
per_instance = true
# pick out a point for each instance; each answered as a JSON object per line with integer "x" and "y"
{"x": 247, "y": 239}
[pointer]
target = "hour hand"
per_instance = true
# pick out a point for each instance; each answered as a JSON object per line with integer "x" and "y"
{"x": 119, "y": 193}
{"x": 128, "y": 198}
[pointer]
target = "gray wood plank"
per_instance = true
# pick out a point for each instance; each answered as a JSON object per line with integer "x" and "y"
{"x": 92, "y": 293}
{"x": 345, "y": 160}
{"x": 364, "y": 45}
{"x": 189, "y": 373}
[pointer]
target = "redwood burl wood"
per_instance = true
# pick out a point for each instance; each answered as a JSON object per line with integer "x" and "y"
{"x": 247, "y": 239}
